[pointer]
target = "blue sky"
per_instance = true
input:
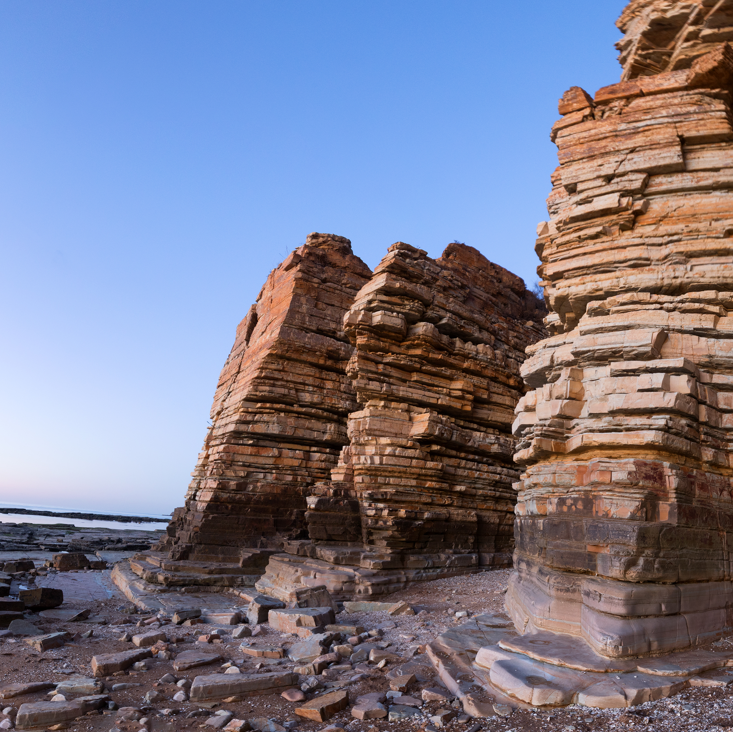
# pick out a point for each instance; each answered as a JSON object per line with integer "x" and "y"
{"x": 158, "y": 159}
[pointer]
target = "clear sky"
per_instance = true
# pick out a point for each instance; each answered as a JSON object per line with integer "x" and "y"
{"x": 158, "y": 158}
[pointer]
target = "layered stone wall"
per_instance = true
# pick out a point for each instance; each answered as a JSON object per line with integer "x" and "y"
{"x": 424, "y": 489}
{"x": 278, "y": 420}
{"x": 625, "y": 510}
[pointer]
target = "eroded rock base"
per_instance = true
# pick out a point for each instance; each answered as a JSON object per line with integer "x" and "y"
{"x": 553, "y": 670}
{"x": 353, "y": 572}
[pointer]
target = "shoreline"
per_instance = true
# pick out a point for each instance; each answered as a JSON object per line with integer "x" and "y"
{"x": 85, "y": 516}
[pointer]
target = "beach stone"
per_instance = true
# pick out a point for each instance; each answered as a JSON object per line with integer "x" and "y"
{"x": 70, "y": 561}
{"x": 433, "y": 694}
{"x": 262, "y": 652}
{"x": 309, "y": 649}
{"x": 441, "y": 718}
{"x": 241, "y": 631}
{"x": 397, "y": 712}
{"x": 45, "y": 714}
{"x": 322, "y": 708}
{"x": 109, "y": 663}
{"x": 368, "y": 710}
{"x": 293, "y": 695}
{"x": 179, "y": 616}
{"x": 401, "y": 608}
{"x": 79, "y": 685}
{"x": 219, "y": 720}
{"x": 23, "y": 627}
{"x": 223, "y": 686}
{"x": 290, "y": 620}
{"x": 19, "y": 565}
{"x": 9, "y": 691}
{"x": 11, "y": 605}
{"x": 401, "y": 682}
{"x": 377, "y": 655}
{"x": 313, "y": 597}
{"x": 231, "y": 617}
{"x": 238, "y": 725}
{"x": 193, "y": 659}
{"x": 41, "y": 598}
{"x": 259, "y": 609}
{"x": 145, "y": 640}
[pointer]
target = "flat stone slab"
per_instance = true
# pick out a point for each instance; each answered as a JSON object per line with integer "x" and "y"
{"x": 309, "y": 649}
{"x": 43, "y": 643}
{"x": 323, "y": 707}
{"x": 223, "y": 686}
{"x": 9, "y": 691}
{"x": 23, "y": 627}
{"x": 110, "y": 663}
{"x": 45, "y": 714}
{"x": 533, "y": 682}
{"x": 145, "y": 640}
{"x": 262, "y": 652}
{"x": 564, "y": 650}
{"x": 81, "y": 685}
{"x": 627, "y": 690}
{"x": 684, "y": 663}
{"x": 368, "y": 607}
{"x": 193, "y": 659}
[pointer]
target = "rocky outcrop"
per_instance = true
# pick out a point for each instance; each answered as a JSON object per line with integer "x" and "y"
{"x": 424, "y": 487}
{"x": 279, "y": 415}
{"x": 624, "y": 515}
{"x": 362, "y": 421}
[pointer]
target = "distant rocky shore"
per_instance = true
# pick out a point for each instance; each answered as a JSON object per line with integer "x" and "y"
{"x": 85, "y": 516}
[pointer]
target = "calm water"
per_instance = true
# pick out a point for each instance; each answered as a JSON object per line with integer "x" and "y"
{"x": 22, "y": 518}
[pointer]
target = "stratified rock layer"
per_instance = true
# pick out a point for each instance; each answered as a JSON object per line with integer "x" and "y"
{"x": 625, "y": 513}
{"x": 424, "y": 488}
{"x": 278, "y": 420}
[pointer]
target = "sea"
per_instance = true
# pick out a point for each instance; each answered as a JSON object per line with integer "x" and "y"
{"x": 23, "y": 518}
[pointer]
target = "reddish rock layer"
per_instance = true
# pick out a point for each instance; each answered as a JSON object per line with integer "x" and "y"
{"x": 625, "y": 511}
{"x": 424, "y": 488}
{"x": 279, "y": 415}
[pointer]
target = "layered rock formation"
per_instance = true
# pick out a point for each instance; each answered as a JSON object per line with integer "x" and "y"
{"x": 362, "y": 421}
{"x": 278, "y": 420}
{"x": 424, "y": 488}
{"x": 625, "y": 511}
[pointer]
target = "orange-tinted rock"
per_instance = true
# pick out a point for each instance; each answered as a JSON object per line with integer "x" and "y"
{"x": 278, "y": 420}
{"x": 625, "y": 514}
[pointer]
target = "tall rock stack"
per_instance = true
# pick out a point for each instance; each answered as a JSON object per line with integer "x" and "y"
{"x": 279, "y": 415}
{"x": 425, "y": 487}
{"x": 624, "y": 519}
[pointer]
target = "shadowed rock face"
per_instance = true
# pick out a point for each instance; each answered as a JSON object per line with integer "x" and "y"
{"x": 625, "y": 515}
{"x": 438, "y": 346}
{"x": 279, "y": 415}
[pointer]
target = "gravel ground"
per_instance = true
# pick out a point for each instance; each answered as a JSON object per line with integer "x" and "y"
{"x": 436, "y": 604}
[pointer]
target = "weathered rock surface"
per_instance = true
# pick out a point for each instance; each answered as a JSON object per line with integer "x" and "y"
{"x": 424, "y": 488}
{"x": 279, "y": 413}
{"x": 624, "y": 506}
{"x": 369, "y": 412}
{"x": 223, "y": 686}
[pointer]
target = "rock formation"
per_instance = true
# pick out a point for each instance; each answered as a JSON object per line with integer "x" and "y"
{"x": 625, "y": 513}
{"x": 278, "y": 420}
{"x": 424, "y": 487}
{"x": 363, "y": 421}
